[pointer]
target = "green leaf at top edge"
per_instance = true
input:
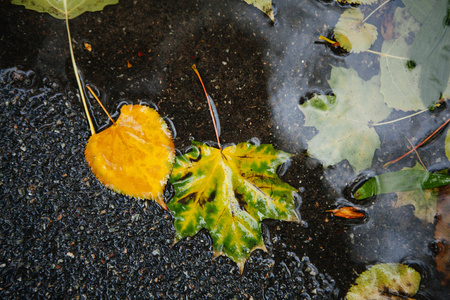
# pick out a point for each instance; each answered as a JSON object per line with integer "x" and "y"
{"x": 56, "y": 8}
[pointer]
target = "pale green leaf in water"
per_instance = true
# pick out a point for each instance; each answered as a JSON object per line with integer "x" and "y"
{"x": 399, "y": 81}
{"x": 352, "y": 34}
{"x": 385, "y": 281}
{"x": 263, "y": 5}
{"x": 407, "y": 179}
{"x": 419, "y": 8}
{"x": 56, "y": 8}
{"x": 431, "y": 51}
{"x": 400, "y": 84}
{"x": 423, "y": 200}
{"x": 344, "y": 121}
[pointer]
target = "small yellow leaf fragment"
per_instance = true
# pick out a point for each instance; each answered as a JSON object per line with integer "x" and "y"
{"x": 135, "y": 156}
{"x": 348, "y": 212}
{"x": 88, "y": 47}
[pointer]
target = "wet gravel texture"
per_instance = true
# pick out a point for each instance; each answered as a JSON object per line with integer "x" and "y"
{"x": 63, "y": 235}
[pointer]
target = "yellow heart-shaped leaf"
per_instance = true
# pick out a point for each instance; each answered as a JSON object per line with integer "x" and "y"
{"x": 135, "y": 155}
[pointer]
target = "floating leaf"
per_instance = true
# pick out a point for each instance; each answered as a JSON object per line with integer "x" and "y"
{"x": 134, "y": 156}
{"x": 424, "y": 201}
{"x": 352, "y": 34}
{"x": 57, "y": 8}
{"x": 344, "y": 121}
{"x": 420, "y": 9}
{"x": 263, "y": 5}
{"x": 348, "y": 212}
{"x": 431, "y": 51}
{"x": 385, "y": 281}
{"x": 420, "y": 81}
{"x": 400, "y": 83}
{"x": 407, "y": 179}
{"x": 230, "y": 192}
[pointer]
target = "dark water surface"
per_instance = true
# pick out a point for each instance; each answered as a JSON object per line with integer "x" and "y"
{"x": 64, "y": 235}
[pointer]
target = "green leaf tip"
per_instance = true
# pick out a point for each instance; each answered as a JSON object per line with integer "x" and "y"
{"x": 57, "y": 8}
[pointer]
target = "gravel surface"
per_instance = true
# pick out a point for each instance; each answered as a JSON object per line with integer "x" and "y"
{"x": 64, "y": 235}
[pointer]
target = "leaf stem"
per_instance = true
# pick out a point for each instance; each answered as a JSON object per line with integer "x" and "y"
{"x": 386, "y": 55}
{"x": 323, "y": 38}
{"x": 417, "y": 154}
{"x": 99, "y": 102}
{"x": 77, "y": 76}
{"x": 380, "y": 6}
{"x": 413, "y": 149}
{"x": 209, "y": 104}
{"x": 399, "y": 119}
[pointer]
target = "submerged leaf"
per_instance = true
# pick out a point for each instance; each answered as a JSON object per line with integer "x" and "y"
{"x": 428, "y": 47}
{"x": 400, "y": 84}
{"x": 420, "y": 9}
{"x": 352, "y": 34}
{"x": 407, "y": 179}
{"x": 230, "y": 192}
{"x": 344, "y": 122}
{"x": 423, "y": 200}
{"x": 431, "y": 51}
{"x": 385, "y": 281}
{"x": 263, "y": 5}
{"x": 134, "y": 156}
{"x": 57, "y": 8}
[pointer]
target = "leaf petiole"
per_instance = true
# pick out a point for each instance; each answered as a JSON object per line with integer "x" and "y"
{"x": 333, "y": 43}
{"x": 380, "y": 6}
{"x": 77, "y": 76}
{"x": 399, "y": 119}
{"x": 386, "y": 55}
{"x": 209, "y": 104}
{"x": 99, "y": 102}
{"x": 413, "y": 149}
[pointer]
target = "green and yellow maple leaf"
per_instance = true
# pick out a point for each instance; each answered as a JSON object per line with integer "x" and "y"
{"x": 385, "y": 281}
{"x": 352, "y": 34}
{"x": 59, "y": 8}
{"x": 230, "y": 192}
{"x": 345, "y": 121}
